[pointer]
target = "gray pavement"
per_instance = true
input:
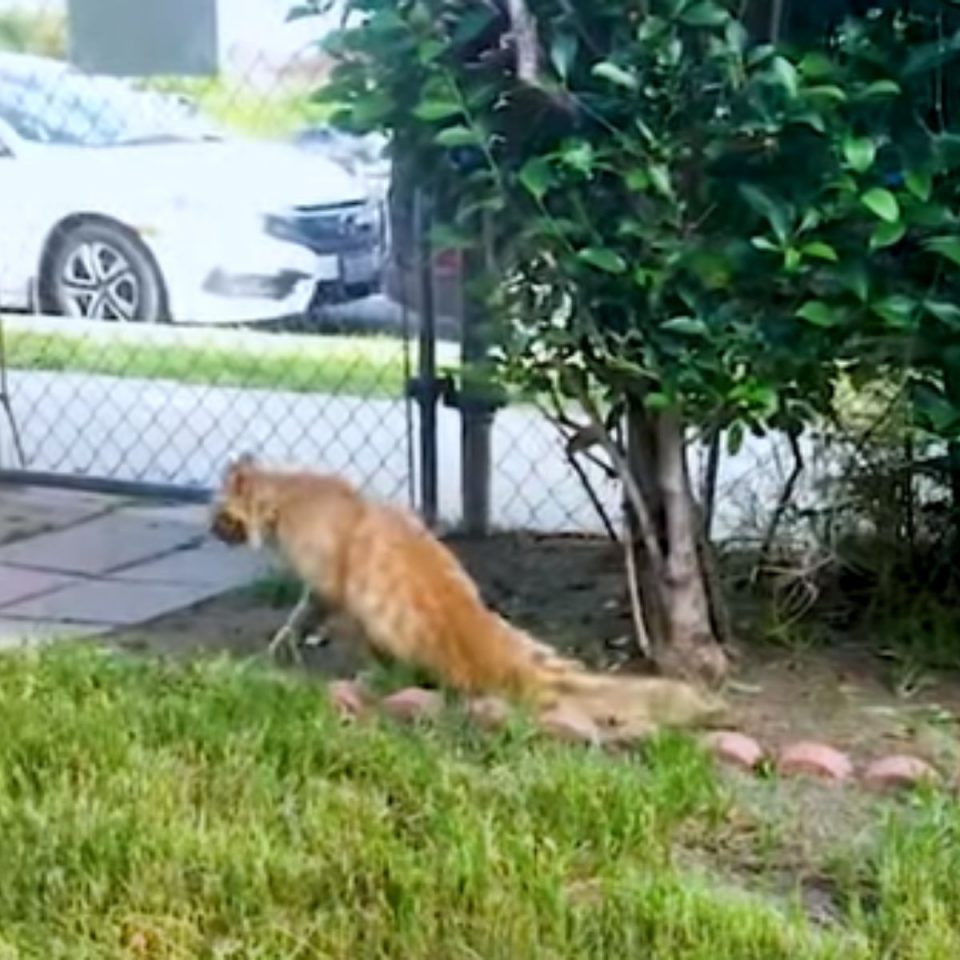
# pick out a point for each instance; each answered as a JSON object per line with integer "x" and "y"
{"x": 101, "y": 563}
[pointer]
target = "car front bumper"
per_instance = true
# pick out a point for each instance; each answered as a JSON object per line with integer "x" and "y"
{"x": 221, "y": 273}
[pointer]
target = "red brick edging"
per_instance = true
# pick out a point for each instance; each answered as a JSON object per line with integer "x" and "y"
{"x": 804, "y": 758}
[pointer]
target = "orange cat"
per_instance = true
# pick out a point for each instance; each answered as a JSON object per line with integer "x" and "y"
{"x": 414, "y": 601}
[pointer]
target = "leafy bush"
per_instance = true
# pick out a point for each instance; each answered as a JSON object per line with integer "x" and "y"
{"x": 693, "y": 230}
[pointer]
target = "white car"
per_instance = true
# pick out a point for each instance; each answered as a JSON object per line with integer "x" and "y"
{"x": 118, "y": 204}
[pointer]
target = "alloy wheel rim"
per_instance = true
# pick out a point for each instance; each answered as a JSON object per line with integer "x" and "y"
{"x": 98, "y": 282}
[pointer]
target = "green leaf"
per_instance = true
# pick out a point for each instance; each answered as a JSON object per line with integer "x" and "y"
{"x": 948, "y": 247}
{"x": 934, "y": 408}
{"x": 785, "y": 73}
{"x": 882, "y": 203}
{"x": 919, "y": 183}
{"x": 637, "y": 179}
{"x": 579, "y": 155}
{"x": 645, "y": 131}
{"x": 657, "y": 401}
{"x": 826, "y": 91}
{"x": 791, "y": 259}
{"x": 687, "y": 326}
{"x": 760, "y": 54}
{"x": 821, "y": 251}
{"x": 776, "y": 213}
{"x": 430, "y": 50}
{"x": 711, "y": 267}
{"x": 811, "y": 118}
{"x": 704, "y": 14}
{"x": 818, "y": 313}
{"x": 897, "y": 310}
{"x": 736, "y": 36}
{"x": 887, "y": 234}
{"x": 458, "y": 136}
{"x": 734, "y": 438}
{"x": 854, "y": 278}
{"x": 810, "y": 220}
{"x": 948, "y": 313}
{"x": 536, "y": 176}
{"x": 660, "y": 178}
{"x": 880, "y": 88}
{"x": 563, "y": 53}
{"x": 616, "y": 75}
{"x": 369, "y": 110}
{"x": 603, "y": 259}
{"x": 431, "y": 110}
{"x": 815, "y": 65}
{"x": 859, "y": 152}
{"x": 933, "y": 216}
{"x": 651, "y": 28}
{"x": 762, "y": 243}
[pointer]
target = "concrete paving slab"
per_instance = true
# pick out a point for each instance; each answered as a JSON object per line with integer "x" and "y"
{"x": 100, "y": 545}
{"x": 115, "y": 602}
{"x": 19, "y": 583}
{"x": 17, "y": 634}
{"x": 28, "y": 511}
{"x": 194, "y": 514}
{"x": 211, "y": 563}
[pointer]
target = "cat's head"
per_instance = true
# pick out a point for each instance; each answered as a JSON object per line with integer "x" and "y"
{"x": 243, "y": 507}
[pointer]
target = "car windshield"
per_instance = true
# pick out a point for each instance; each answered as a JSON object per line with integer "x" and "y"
{"x": 69, "y": 108}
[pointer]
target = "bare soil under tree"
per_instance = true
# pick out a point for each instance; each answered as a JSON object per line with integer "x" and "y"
{"x": 572, "y": 592}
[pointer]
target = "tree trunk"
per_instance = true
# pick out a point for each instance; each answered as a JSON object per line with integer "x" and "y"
{"x": 672, "y": 585}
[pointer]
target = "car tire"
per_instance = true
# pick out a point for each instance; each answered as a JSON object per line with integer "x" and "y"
{"x": 102, "y": 271}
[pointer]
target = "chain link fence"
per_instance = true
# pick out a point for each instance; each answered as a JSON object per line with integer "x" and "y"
{"x": 187, "y": 268}
{"x": 191, "y": 266}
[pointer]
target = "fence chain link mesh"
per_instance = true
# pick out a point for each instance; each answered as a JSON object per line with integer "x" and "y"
{"x": 119, "y": 209}
{"x": 115, "y": 203}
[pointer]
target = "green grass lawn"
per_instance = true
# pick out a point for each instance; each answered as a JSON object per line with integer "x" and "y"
{"x": 357, "y": 366}
{"x": 214, "y": 810}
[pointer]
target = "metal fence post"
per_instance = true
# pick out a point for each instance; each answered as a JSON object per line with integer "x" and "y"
{"x": 476, "y": 403}
{"x": 426, "y": 390}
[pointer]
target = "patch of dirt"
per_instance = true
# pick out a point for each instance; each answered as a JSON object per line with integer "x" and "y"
{"x": 571, "y": 592}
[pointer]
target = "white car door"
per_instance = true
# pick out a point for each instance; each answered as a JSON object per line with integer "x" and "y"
{"x": 19, "y": 225}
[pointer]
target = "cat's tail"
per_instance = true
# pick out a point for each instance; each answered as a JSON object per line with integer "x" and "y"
{"x": 627, "y": 705}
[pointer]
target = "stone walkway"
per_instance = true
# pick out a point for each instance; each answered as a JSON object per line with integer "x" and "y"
{"x": 77, "y": 564}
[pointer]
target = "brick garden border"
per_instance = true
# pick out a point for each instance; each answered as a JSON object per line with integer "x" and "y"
{"x": 803, "y": 758}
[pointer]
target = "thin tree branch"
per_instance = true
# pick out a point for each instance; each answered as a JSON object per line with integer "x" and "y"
{"x": 575, "y": 442}
{"x": 648, "y": 536}
{"x": 636, "y": 608}
{"x": 710, "y": 483}
{"x": 592, "y": 494}
{"x": 524, "y": 29}
{"x": 719, "y": 611}
{"x": 581, "y": 473}
{"x": 786, "y": 495}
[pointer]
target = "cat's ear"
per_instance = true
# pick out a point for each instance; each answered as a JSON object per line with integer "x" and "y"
{"x": 237, "y": 476}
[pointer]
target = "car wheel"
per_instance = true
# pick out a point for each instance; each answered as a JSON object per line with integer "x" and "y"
{"x": 102, "y": 272}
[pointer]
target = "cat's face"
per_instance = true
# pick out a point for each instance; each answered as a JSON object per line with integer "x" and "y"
{"x": 237, "y": 511}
